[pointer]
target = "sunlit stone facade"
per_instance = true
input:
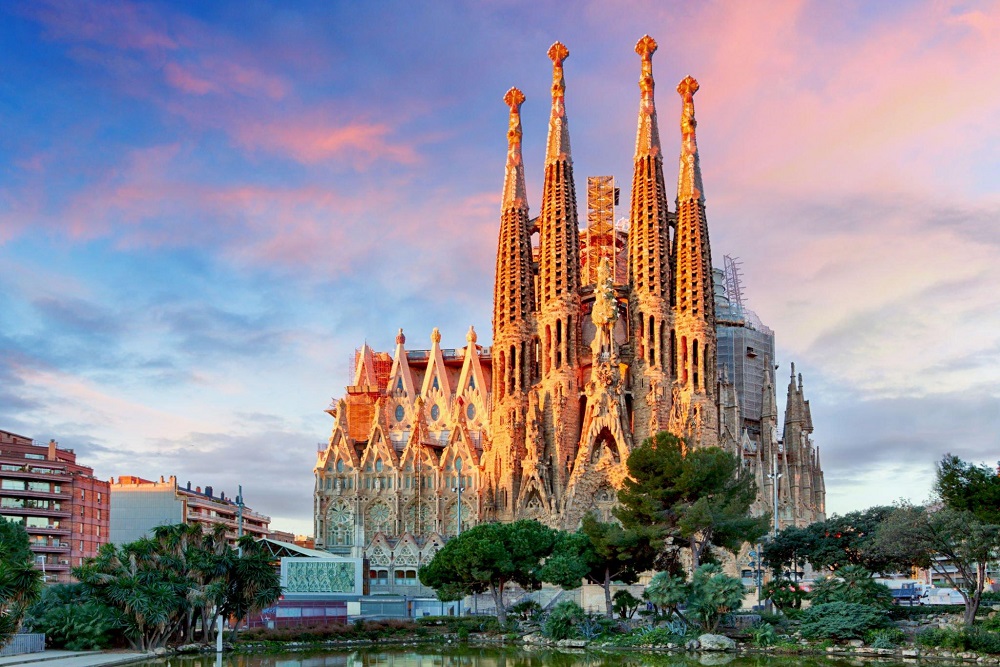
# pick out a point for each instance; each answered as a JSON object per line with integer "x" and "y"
{"x": 540, "y": 424}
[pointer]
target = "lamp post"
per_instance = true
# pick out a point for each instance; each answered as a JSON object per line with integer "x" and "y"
{"x": 775, "y": 475}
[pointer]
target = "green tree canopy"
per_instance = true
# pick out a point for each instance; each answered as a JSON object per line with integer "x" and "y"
{"x": 488, "y": 557}
{"x": 955, "y": 543}
{"x": 836, "y": 542}
{"x": 970, "y": 487}
{"x": 20, "y": 582}
{"x": 852, "y": 583}
{"x": 162, "y": 586}
{"x": 695, "y": 498}
{"x": 601, "y": 553}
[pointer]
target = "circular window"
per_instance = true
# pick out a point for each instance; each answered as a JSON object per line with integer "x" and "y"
{"x": 435, "y": 412}
{"x": 378, "y": 465}
{"x": 470, "y": 412}
{"x": 400, "y": 413}
{"x": 340, "y": 465}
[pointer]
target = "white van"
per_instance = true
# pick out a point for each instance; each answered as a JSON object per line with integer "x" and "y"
{"x": 942, "y": 596}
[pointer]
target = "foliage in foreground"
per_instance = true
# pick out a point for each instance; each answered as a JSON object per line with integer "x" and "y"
{"x": 961, "y": 639}
{"x": 842, "y": 620}
{"x": 707, "y": 598}
{"x": 73, "y": 620}
{"x": 852, "y": 583}
{"x": 20, "y": 582}
{"x": 359, "y": 630}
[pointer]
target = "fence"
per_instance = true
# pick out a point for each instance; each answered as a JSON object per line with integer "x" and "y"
{"x": 24, "y": 643}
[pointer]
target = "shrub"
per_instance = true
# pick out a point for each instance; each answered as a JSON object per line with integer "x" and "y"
{"x": 852, "y": 583}
{"x": 646, "y": 636}
{"x": 961, "y": 639}
{"x": 785, "y": 593}
{"x": 525, "y": 609}
{"x": 72, "y": 620}
{"x": 563, "y": 621}
{"x": 885, "y": 638}
{"x": 763, "y": 634}
{"x": 625, "y": 604}
{"x": 713, "y": 595}
{"x": 841, "y": 620}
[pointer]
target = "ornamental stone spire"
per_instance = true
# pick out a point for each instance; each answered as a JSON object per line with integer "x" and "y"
{"x": 557, "y": 147}
{"x": 689, "y": 185}
{"x": 694, "y": 302}
{"x": 648, "y": 258}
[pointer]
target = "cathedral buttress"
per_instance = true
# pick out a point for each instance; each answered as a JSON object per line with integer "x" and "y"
{"x": 559, "y": 289}
{"x": 648, "y": 260}
{"x": 694, "y": 409}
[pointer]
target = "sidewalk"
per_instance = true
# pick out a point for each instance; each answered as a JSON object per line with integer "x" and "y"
{"x": 74, "y": 658}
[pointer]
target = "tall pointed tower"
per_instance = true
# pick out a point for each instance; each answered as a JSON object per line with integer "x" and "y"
{"x": 648, "y": 261}
{"x": 513, "y": 300}
{"x": 694, "y": 410}
{"x": 559, "y": 289}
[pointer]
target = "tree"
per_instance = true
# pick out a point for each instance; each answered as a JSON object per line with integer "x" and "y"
{"x": 668, "y": 592}
{"x": 955, "y": 543}
{"x": 601, "y": 553}
{"x": 854, "y": 584}
{"x": 695, "y": 498}
{"x": 20, "y": 582}
{"x": 162, "y": 586}
{"x": 487, "y": 557}
{"x": 713, "y": 595}
{"x": 970, "y": 487}
{"x": 836, "y": 542}
{"x": 784, "y": 593}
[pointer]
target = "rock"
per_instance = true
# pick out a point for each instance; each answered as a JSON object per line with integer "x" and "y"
{"x": 572, "y": 643}
{"x": 160, "y": 651}
{"x": 855, "y": 643}
{"x": 716, "y": 643}
{"x": 692, "y": 645}
{"x": 910, "y": 653}
{"x": 715, "y": 659}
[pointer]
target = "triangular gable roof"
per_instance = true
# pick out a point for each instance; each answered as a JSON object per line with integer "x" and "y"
{"x": 401, "y": 377}
{"x": 378, "y": 440}
{"x": 280, "y": 549}
{"x": 460, "y": 444}
{"x": 414, "y": 449}
{"x": 364, "y": 372}
{"x": 436, "y": 370}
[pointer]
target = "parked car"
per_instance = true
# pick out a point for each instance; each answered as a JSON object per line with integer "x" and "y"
{"x": 942, "y": 596}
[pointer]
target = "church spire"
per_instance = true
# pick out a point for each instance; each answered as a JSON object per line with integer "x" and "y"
{"x": 559, "y": 243}
{"x": 691, "y": 265}
{"x": 648, "y": 260}
{"x": 514, "y": 196}
{"x": 513, "y": 293}
{"x": 689, "y": 184}
{"x": 557, "y": 146}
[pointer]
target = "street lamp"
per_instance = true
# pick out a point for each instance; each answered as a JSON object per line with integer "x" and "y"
{"x": 775, "y": 475}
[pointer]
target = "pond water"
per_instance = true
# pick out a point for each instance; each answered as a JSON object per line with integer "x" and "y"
{"x": 465, "y": 656}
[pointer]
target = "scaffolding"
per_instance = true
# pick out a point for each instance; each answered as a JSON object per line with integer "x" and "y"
{"x": 603, "y": 239}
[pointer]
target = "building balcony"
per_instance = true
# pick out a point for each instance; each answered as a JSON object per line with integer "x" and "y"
{"x": 50, "y": 546}
{"x": 47, "y": 530}
{"x": 28, "y": 493}
{"x": 35, "y": 511}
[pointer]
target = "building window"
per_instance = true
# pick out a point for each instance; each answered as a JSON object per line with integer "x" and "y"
{"x": 98, "y": 497}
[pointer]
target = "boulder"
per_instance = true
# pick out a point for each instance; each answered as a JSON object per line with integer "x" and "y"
{"x": 716, "y": 643}
{"x": 855, "y": 643}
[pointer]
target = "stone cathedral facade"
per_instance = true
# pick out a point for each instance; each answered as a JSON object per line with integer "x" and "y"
{"x": 586, "y": 362}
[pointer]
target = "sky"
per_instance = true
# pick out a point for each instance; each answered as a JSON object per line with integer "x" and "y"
{"x": 205, "y": 208}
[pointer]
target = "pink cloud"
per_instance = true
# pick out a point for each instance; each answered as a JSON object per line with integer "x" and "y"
{"x": 316, "y": 141}
{"x": 122, "y": 25}
{"x": 184, "y": 80}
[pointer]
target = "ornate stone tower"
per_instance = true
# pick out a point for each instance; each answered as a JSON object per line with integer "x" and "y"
{"x": 694, "y": 402}
{"x": 513, "y": 326}
{"x": 649, "y": 270}
{"x": 559, "y": 292}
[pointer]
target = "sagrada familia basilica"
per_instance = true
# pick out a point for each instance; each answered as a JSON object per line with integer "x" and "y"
{"x": 599, "y": 342}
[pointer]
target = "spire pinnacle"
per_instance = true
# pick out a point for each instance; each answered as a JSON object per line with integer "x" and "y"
{"x": 558, "y": 141}
{"x": 647, "y": 139}
{"x": 689, "y": 185}
{"x": 514, "y": 191}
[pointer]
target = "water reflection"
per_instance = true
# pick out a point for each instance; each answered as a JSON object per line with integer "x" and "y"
{"x": 463, "y": 656}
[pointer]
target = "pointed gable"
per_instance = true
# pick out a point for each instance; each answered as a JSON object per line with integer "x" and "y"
{"x": 400, "y": 382}
{"x": 473, "y": 386}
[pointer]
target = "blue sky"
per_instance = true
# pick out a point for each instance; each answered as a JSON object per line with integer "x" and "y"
{"x": 206, "y": 207}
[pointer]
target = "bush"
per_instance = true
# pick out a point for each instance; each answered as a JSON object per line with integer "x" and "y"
{"x": 646, "y": 636}
{"x": 525, "y": 609}
{"x": 763, "y": 634}
{"x": 885, "y": 638}
{"x": 960, "y": 639}
{"x": 785, "y": 593}
{"x": 852, "y": 583}
{"x": 713, "y": 595}
{"x": 360, "y": 629}
{"x": 72, "y": 620}
{"x": 625, "y": 604}
{"x": 563, "y": 621}
{"x": 842, "y": 620}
